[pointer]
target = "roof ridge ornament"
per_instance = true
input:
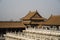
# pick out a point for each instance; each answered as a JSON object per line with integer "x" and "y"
{"x": 29, "y": 11}
{"x": 51, "y": 15}
{"x": 36, "y": 11}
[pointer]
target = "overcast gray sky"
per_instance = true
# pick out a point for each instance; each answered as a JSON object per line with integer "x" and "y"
{"x": 15, "y": 9}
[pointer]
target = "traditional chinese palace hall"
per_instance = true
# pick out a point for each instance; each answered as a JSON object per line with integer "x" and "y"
{"x": 32, "y": 19}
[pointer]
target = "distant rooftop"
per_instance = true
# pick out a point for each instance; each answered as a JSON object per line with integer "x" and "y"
{"x": 53, "y": 20}
{"x": 11, "y": 24}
